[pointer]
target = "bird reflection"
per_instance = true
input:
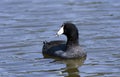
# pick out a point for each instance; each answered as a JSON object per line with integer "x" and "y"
{"x": 72, "y": 66}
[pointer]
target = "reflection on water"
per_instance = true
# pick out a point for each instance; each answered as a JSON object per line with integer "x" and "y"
{"x": 72, "y": 66}
{"x": 24, "y": 24}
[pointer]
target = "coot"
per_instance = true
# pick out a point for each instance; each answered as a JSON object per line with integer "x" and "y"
{"x": 65, "y": 49}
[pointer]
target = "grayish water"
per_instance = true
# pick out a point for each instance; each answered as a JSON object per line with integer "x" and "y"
{"x": 25, "y": 23}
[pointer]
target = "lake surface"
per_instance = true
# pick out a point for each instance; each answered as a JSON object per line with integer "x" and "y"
{"x": 24, "y": 24}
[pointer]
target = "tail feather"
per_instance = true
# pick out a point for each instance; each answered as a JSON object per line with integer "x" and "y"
{"x": 44, "y": 42}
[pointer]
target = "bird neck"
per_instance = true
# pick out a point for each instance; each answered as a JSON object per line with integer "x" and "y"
{"x": 72, "y": 41}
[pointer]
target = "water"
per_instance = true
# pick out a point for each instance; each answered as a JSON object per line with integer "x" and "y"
{"x": 24, "y": 24}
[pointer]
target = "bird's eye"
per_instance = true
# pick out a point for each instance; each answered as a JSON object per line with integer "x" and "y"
{"x": 63, "y": 24}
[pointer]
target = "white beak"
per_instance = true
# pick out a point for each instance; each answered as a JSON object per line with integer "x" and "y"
{"x": 61, "y": 31}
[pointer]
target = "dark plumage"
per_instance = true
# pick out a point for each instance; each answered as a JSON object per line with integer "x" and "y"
{"x": 62, "y": 49}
